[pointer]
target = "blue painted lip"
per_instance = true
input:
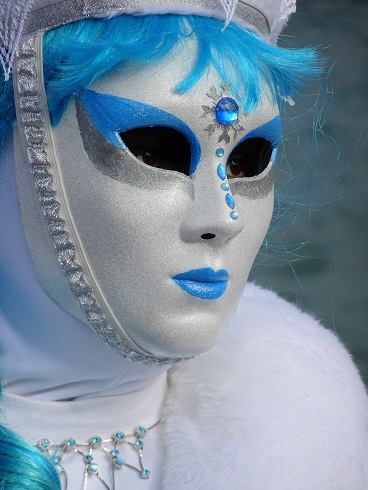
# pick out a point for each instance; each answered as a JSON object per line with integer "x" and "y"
{"x": 203, "y": 283}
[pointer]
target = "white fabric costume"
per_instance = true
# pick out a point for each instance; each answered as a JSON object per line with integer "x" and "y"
{"x": 277, "y": 404}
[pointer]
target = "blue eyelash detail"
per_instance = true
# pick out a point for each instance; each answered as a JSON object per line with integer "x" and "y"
{"x": 271, "y": 131}
{"x": 113, "y": 115}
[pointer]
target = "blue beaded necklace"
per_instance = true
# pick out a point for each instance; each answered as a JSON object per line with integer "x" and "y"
{"x": 87, "y": 451}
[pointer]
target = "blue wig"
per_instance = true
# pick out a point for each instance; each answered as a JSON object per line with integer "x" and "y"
{"x": 76, "y": 55}
{"x": 24, "y": 467}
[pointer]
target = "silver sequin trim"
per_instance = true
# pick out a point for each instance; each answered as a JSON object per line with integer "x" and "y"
{"x": 32, "y": 120}
{"x": 67, "y": 11}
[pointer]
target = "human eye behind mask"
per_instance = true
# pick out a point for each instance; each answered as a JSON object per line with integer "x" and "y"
{"x": 249, "y": 159}
{"x": 132, "y": 141}
{"x": 159, "y": 147}
{"x": 166, "y": 148}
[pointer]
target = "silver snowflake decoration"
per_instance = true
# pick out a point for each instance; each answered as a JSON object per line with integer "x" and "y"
{"x": 226, "y": 114}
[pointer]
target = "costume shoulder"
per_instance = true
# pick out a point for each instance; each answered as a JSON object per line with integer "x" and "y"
{"x": 277, "y": 404}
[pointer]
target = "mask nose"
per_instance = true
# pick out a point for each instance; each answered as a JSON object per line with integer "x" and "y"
{"x": 213, "y": 217}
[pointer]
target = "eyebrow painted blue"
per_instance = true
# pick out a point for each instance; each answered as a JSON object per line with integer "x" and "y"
{"x": 113, "y": 115}
{"x": 271, "y": 131}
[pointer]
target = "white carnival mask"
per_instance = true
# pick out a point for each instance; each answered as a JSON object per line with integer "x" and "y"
{"x": 154, "y": 239}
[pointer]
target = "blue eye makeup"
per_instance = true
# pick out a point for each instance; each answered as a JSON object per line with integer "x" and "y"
{"x": 113, "y": 116}
{"x": 255, "y": 151}
{"x": 270, "y": 131}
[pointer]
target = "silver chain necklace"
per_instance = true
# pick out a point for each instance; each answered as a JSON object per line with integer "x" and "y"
{"x": 89, "y": 452}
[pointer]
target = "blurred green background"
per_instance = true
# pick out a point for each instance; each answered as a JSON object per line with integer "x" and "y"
{"x": 325, "y": 268}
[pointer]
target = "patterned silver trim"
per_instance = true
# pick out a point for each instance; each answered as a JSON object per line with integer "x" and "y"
{"x": 31, "y": 117}
{"x": 67, "y": 11}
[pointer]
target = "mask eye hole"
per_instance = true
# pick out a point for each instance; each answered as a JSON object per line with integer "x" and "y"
{"x": 159, "y": 147}
{"x": 249, "y": 158}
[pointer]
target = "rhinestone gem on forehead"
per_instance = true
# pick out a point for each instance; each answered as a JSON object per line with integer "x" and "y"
{"x": 225, "y": 111}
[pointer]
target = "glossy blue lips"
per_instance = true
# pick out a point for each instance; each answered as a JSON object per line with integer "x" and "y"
{"x": 203, "y": 283}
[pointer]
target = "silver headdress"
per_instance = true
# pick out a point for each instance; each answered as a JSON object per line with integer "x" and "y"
{"x": 24, "y": 18}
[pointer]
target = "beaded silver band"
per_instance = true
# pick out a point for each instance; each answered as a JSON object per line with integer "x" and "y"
{"x": 32, "y": 117}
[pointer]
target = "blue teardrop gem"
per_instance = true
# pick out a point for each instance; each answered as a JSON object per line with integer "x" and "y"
{"x": 221, "y": 172}
{"x": 230, "y": 201}
{"x": 226, "y": 111}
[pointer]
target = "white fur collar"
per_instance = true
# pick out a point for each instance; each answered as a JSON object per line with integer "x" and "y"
{"x": 277, "y": 405}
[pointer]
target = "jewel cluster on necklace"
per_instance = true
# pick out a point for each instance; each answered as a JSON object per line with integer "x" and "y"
{"x": 90, "y": 451}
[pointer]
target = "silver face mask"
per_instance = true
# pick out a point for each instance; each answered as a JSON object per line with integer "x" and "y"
{"x": 158, "y": 204}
